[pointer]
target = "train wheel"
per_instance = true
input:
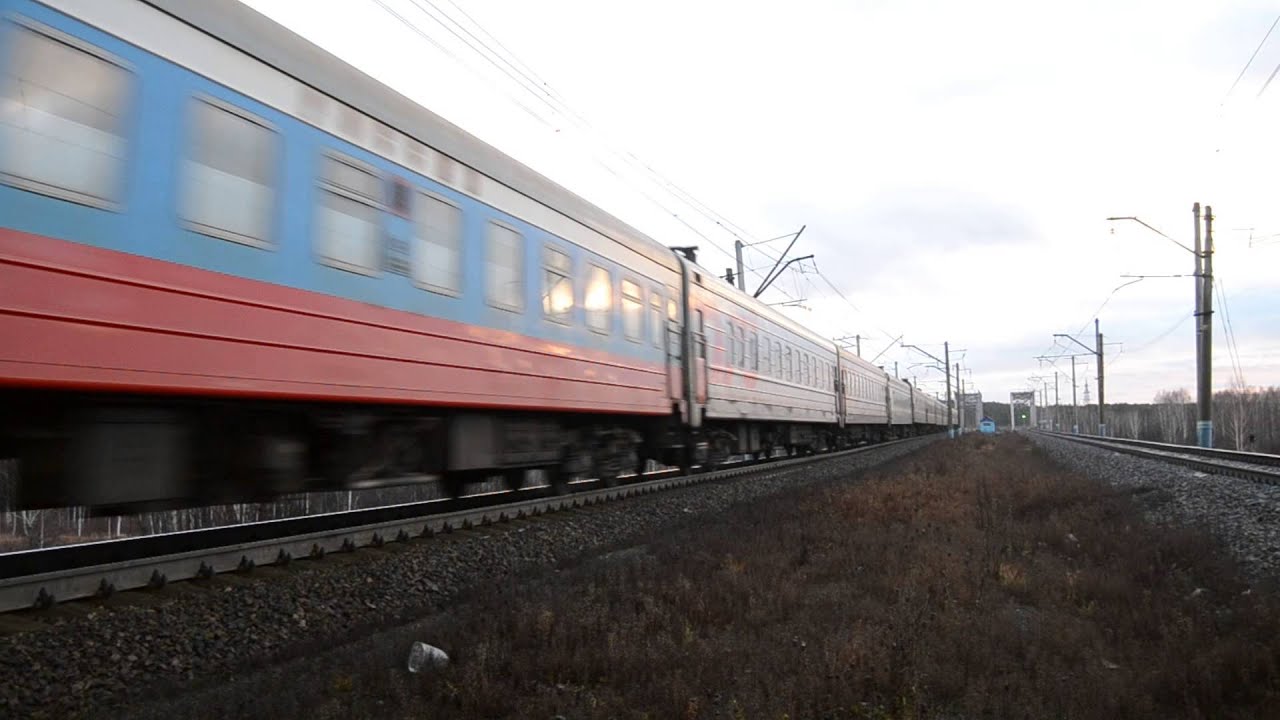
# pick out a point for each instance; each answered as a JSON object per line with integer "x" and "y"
{"x": 514, "y": 478}
{"x": 453, "y": 483}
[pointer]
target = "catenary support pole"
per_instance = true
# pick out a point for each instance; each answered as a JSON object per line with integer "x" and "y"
{"x": 1102, "y": 402}
{"x": 1075, "y": 406}
{"x": 946, "y": 363}
{"x": 1204, "y": 383}
{"x": 742, "y": 275}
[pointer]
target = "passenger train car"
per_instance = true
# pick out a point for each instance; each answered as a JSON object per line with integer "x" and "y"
{"x": 233, "y": 266}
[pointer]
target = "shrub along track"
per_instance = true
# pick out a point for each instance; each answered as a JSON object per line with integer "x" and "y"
{"x": 973, "y": 579}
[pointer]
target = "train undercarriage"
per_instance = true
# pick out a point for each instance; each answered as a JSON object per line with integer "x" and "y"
{"x": 124, "y": 454}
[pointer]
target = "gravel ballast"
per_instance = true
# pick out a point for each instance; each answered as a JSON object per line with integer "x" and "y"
{"x": 1244, "y": 515}
{"x": 201, "y": 636}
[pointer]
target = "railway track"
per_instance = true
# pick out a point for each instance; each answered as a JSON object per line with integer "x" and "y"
{"x": 42, "y": 578}
{"x": 1256, "y": 467}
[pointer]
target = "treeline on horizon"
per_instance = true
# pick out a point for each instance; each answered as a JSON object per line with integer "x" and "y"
{"x": 1246, "y": 419}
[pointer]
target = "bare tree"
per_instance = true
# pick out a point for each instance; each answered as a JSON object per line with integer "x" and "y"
{"x": 1171, "y": 413}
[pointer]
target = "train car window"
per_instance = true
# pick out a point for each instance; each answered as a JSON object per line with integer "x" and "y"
{"x": 753, "y": 352}
{"x": 437, "y": 259}
{"x": 656, "y": 325}
{"x": 349, "y": 227}
{"x": 504, "y": 268}
{"x": 729, "y": 345}
{"x": 398, "y": 197}
{"x": 557, "y": 285}
{"x": 62, "y": 129}
{"x": 702, "y": 335}
{"x": 599, "y": 299}
{"x": 790, "y": 365}
{"x": 229, "y": 188}
{"x": 632, "y": 311}
{"x": 674, "y": 339}
{"x": 777, "y": 360}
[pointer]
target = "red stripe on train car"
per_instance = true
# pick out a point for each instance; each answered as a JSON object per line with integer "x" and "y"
{"x": 76, "y": 316}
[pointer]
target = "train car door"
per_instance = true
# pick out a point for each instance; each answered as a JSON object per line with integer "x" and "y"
{"x": 700, "y": 357}
{"x": 693, "y": 345}
{"x": 841, "y": 405}
{"x": 675, "y": 387}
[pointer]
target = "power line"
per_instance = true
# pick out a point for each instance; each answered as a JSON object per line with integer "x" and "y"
{"x": 1230, "y": 333}
{"x": 1092, "y": 317}
{"x": 556, "y": 104}
{"x": 536, "y": 85}
{"x": 1245, "y": 69}
{"x": 527, "y": 79}
{"x": 848, "y": 301}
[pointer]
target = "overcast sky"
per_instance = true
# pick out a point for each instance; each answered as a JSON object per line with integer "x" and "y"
{"x": 954, "y": 163}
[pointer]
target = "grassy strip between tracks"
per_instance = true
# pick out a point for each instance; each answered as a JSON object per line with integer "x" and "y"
{"x": 973, "y": 579}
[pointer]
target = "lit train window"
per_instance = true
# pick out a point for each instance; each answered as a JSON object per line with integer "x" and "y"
{"x": 349, "y": 224}
{"x": 557, "y": 285}
{"x": 632, "y": 311}
{"x": 598, "y": 300}
{"x": 504, "y": 268}
{"x": 437, "y": 258}
{"x": 229, "y": 188}
{"x": 62, "y": 127}
{"x": 656, "y": 325}
{"x": 674, "y": 339}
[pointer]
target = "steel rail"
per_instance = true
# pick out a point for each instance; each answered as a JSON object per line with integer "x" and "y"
{"x": 1206, "y": 460}
{"x": 42, "y": 578}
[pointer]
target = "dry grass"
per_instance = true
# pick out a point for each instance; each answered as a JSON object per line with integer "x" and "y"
{"x": 973, "y": 580}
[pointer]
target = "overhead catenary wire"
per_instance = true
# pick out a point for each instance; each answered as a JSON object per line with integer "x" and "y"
{"x": 1228, "y": 331}
{"x": 525, "y": 78}
{"x": 1253, "y": 57}
{"x": 474, "y": 36}
{"x": 552, "y": 102}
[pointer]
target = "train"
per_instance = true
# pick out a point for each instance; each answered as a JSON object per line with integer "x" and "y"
{"x": 232, "y": 266}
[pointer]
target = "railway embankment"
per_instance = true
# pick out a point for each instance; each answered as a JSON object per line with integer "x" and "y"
{"x": 1241, "y": 514}
{"x": 262, "y": 643}
{"x": 978, "y": 578}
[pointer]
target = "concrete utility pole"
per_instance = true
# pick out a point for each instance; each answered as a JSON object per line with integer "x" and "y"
{"x": 1075, "y": 405}
{"x": 960, "y": 398}
{"x": 1057, "y": 406}
{"x": 1102, "y": 420}
{"x": 742, "y": 275}
{"x": 1204, "y": 380}
{"x": 1204, "y": 318}
{"x": 1096, "y": 351}
{"x": 946, "y": 365}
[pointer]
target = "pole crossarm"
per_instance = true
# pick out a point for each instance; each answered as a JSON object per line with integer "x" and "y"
{"x": 1154, "y": 230}
{"x": 1072, "y": 339}
{"x": 769, "y": 280}
{"x": 886, "y": 349}
{"x": 926, "y": 352}
{"x": 769, "y": 276}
